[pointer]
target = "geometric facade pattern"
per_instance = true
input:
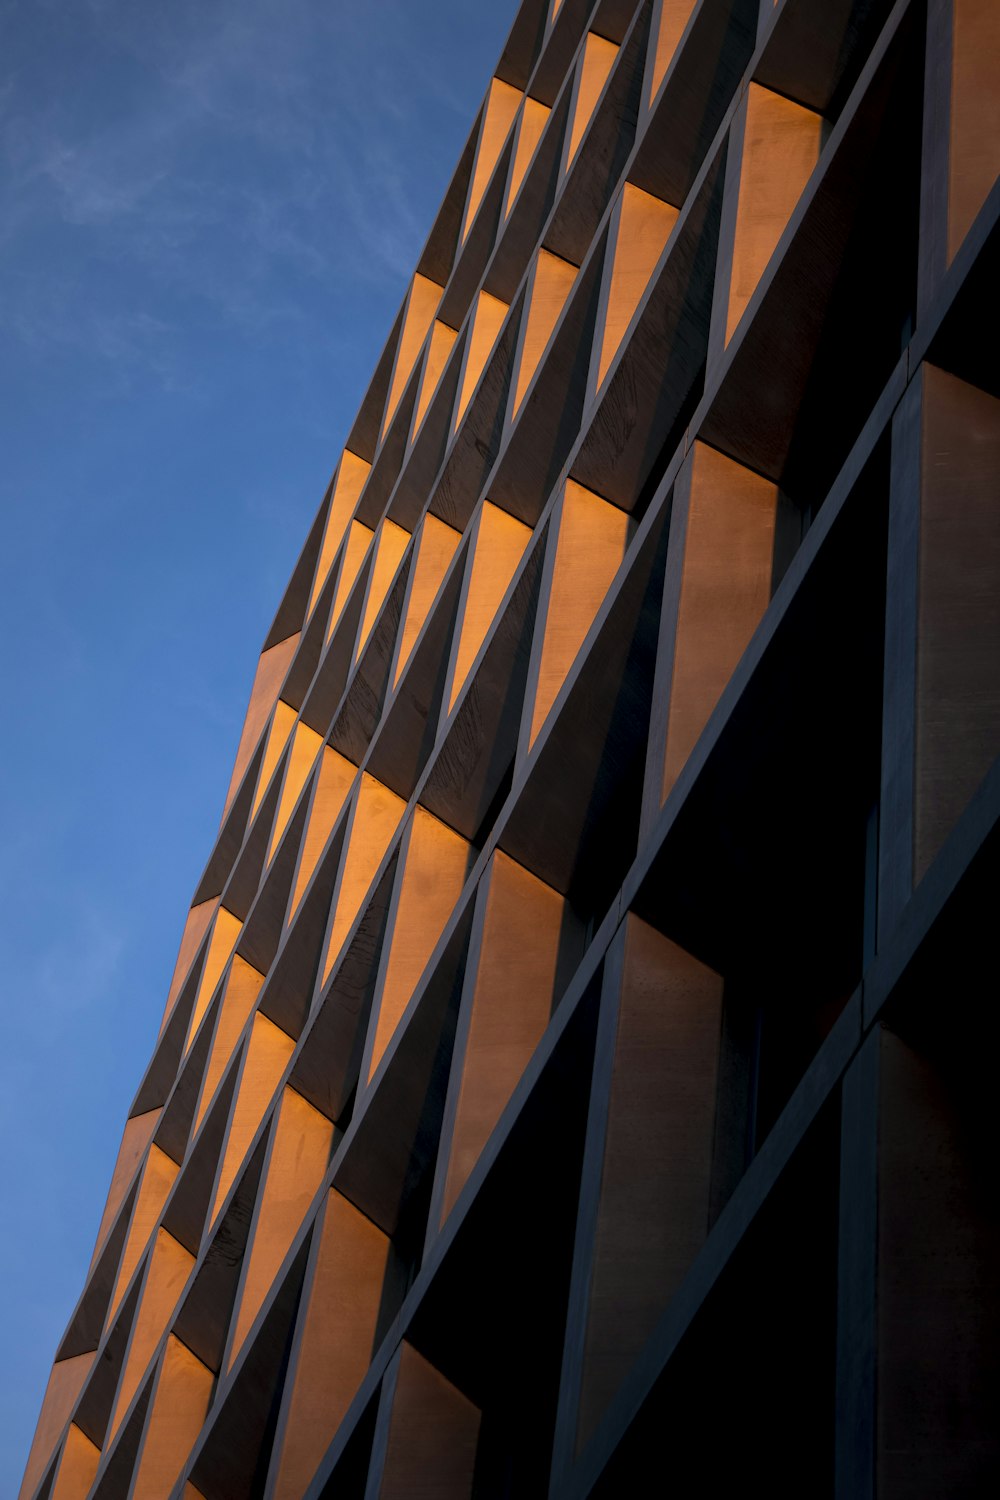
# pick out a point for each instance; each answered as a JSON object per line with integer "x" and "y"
{"x": 579, "y": 1073}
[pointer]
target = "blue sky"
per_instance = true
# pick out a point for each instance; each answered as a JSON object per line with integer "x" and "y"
{"x": 210, "y": 209}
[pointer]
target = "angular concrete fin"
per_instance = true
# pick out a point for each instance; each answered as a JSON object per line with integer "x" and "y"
{"x": 173, "y": 1130}
{"x": 534, "y": 456}
{"x": 195, "y": 927}
{"x": 974, "y": 123}
{"x": 528, "y": 944}
{"x": 669, "y": 20}
{"x": 250, "y": 865}
{"x": 232, "y": 1455}
{"x": 374, "y": 819}
{"x": 724, "y": 524}
{"x": 299, "y": 1151}
{"x": 433, "y": 864}
{"x": 331, "y": 677}
{"x": 230, "y": 837}
{"x": 292, "y": 611}
{"x": 368, "y": 687}
{"x": 265, "y": 1058}
{"x": 421, "y": 305}
{"x": 187, "y": 1208}
{"x": 220, "y": 949}
{"x": 169, "y": 1267}
{"x": 487, "y": 319}
{"x": 238, "y": 999}
{"x": 302, "y": 758}
{"x": 531, "y": 122}
{"x": 576, "y": 822}
{"x": 430, "y": 1428}
{"x": 775, "y": 154}
{"x": 169, "y": 1052}
{"x": 136, "y": 1137}
{"x": 353, "y": 554}
{"x": 524, "y": 42}
{"x": 670, "y": 334}
{"x": 363, "y": 436}
{"x": 435, "y": 546}
{"x": 261, "y": 935}
{"x": 335, "y": 779}
{"x": 348, "y": 483}
{"x": 407, "y": 1102}
{"x": 178, "y": 1408}
{"x": 439, "y": 347}
{"x": 327, "y": 1066}
{"x": 399, "y": 750}
{"x": 288, "y": 993}
{"x": 83, "y": 1332}
{"x": 437, "y": 259}
{"x": 121, "y": 1451}
{"x": 487, "y": 712}
{"x": 65, "y": 1384}
{"x": 307, "y": 658}
{"x": 641, "y": 229}
{"x": 202, "y": 1317}
{"x": 77, "y": 1467}
{"x": 594, "y": 67}
{"x": 336, "y": 1335}
{"x": 271, "y": 669}
{"x": 551, "y": 282}
{"x": 664, "y": 1016}
{"x": 280, "y": 728}
{"x": 497, "y": 546}
{"x": 158, "y": 1177}
{"x": 501, "y": 106}
{"x": 390, "y": 544}
{"x": 94, "y": 1405}
{"x": 586, "y": 550}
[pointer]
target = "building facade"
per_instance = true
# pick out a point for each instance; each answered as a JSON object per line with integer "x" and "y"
{"x": 577, "y": 1078}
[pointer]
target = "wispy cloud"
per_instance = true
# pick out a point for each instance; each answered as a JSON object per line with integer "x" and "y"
{"x": 223, "y": 153}
{"x": 98, "y": 182}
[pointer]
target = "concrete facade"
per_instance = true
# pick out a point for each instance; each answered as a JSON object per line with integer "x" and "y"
{"x": 577, "y": 1075}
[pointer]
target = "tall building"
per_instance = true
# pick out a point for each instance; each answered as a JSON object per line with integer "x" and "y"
{"x": 579, "y": 1073}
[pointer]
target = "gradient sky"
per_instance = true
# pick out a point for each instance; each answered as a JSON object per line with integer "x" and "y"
{"x": 210, "y": 210}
